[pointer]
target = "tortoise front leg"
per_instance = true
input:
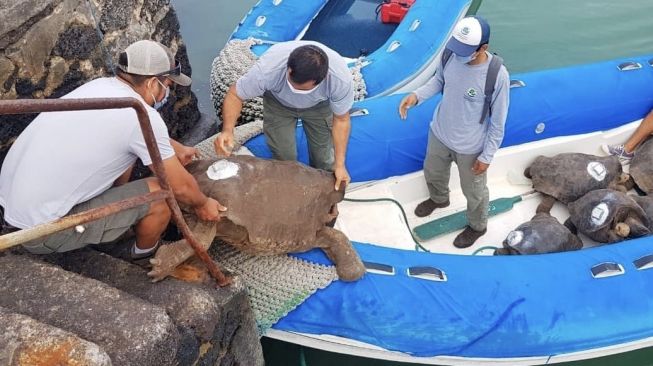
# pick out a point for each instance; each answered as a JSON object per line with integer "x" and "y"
{"x": 339, "y": 249}
{"x": 546, "y": 204}
{"x": 571, "y": 227}
{"x": 168, "y": 257}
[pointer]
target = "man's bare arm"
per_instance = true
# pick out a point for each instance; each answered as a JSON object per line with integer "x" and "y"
{"x": 231, "y": 108}
{"x": 340, "y": 132}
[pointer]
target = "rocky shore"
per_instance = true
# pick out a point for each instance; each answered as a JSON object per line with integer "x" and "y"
{"x": 88, "y": 308}
{"x": 50, "y": 47}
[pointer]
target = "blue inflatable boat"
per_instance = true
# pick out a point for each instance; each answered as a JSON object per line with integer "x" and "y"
{"x": 395, "y": 57}
{"x": 544, "y": 104}
{"x": 447, "y": 306}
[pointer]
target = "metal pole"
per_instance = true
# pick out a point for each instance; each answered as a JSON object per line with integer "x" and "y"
{"x": 159, "y": 171}
{"x": 23, "y": 236}
{"x": 22, "y": 106}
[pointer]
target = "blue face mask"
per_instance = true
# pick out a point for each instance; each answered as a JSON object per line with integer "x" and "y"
{"x": 160, "y": 104}
{"x": 467, "y": 59}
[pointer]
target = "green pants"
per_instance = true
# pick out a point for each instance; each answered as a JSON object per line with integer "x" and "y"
{"x": 281, "y": 122}
{"x": 103, "y": 230}
{"x": 437, "y": 170}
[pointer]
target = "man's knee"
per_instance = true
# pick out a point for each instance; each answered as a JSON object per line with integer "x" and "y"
{"x": 322, "y": 158}
{"x": 153, "y": 184}
{"x": 476, "y": 192}
{"x": 158, "y": 208}
{"x": 161, "y": 210}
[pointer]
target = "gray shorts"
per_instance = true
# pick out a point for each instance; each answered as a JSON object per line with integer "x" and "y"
{"x": 104, "y": 230}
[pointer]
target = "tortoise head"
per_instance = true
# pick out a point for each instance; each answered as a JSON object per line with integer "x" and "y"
{"x": 623, "y": 183}
{"x": 622, "y": 229}
{"x": 637, "y": 228}
{"x": 631, "y": 227}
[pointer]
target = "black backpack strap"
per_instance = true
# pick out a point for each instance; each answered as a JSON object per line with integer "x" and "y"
{"x": 490, "y": 80}
{"x": 444, "y": 58}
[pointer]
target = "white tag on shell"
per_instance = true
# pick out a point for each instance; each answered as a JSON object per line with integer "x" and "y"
{"x": 599, "y": 214}
{"x": 596, "y": 170}
{"x": 222, "y": 169}
{"x": 515, "y": 237}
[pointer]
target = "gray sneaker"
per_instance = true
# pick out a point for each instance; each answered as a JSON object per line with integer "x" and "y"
{"x": 142, "y": 259}
{"x": 618, "y": 151}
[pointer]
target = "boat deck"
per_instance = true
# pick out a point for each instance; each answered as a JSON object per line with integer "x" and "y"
{"x": 382, "y": 223}
{"x": 350, "y": 27}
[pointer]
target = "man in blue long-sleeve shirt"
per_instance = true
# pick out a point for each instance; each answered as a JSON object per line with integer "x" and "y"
{"x": 456, "y": 134}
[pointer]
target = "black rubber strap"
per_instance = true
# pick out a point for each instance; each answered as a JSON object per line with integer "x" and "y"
{"x": 490, "y": 80}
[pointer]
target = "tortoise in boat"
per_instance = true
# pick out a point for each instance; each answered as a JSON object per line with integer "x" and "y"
{"x": 542, "y": 234}
{"x": 273, "y": 207}
{"x": 608, "y": 216}
{"x": 646, "y": 203}
{"x": 641, "y": 166}
{"x": 567, "y": 177}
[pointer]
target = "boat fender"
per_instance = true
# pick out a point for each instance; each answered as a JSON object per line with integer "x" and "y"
{"x": 490, "y": 80}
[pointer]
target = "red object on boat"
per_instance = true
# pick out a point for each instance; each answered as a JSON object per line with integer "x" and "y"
{"x": 394, "y": 11}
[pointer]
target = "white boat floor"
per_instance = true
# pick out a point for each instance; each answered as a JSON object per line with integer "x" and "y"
{"x": 382, "y": 223}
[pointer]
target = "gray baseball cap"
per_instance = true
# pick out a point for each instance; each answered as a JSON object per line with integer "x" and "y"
{"x": 150, "y": 58}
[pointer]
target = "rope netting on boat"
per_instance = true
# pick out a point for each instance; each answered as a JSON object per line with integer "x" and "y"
{"x": 276, "y": 284}
{"x": 242, "y": 134}
{"x": 234, "y": 60}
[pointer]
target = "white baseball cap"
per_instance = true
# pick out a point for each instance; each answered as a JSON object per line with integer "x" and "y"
{"x": 150, "y": 58}
{"x": 468, "y": 34}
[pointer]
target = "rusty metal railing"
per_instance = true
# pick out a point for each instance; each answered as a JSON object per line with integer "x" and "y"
{"x": 56, "y": 105}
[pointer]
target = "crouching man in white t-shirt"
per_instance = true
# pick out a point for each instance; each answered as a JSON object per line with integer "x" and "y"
{"x": 69, "y": 162}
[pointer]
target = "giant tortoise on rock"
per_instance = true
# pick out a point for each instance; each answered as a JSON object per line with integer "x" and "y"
{"x": 567, "y": 177}
{"x": 273, "y": 207}
{"x": 608, "y": 216}
{"x": 542, "y": 234}
{"x": 641, "y": 166}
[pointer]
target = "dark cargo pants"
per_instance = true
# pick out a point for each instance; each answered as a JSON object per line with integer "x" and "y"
{"x": 279, "y": 129}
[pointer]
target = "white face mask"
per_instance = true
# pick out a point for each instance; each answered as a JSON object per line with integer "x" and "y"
{"x": 297, "y": 91}
{"x": 160, "y": 104}
{"x": 467, "y": 59}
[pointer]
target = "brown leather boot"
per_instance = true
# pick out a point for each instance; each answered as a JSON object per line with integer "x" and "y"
{"x": 467, "y": 238}
{"x": 427, "y": 207}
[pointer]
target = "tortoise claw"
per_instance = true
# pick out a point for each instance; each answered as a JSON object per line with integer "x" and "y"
{"x": 156, "y": 275}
